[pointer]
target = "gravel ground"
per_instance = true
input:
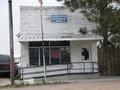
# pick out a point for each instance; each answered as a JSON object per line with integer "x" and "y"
{"x": 4, "y": 81}
{"x": 85, "y": 85}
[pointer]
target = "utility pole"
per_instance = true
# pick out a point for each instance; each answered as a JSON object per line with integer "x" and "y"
{"x": 43, "y": 49}
{"x": 12, "y": 77}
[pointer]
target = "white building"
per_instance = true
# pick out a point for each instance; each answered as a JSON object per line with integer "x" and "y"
{"x": 66, "y": 50}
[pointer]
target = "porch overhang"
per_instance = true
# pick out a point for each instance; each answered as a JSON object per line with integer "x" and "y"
{"x": 27, "y": 37}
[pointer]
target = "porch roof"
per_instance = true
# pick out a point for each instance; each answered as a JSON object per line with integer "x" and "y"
{"x": 26, "y": 37}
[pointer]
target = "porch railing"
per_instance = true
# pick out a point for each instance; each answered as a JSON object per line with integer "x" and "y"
{"x": 64, "y": 69}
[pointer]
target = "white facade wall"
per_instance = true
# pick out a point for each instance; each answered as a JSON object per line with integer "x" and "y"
{"x": 30, "y": 20}
{"x": 25, "y": 54}
{"x": 75, "y": 47}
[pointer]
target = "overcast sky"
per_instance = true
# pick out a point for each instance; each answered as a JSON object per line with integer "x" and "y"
{"x": 4, "y": 25}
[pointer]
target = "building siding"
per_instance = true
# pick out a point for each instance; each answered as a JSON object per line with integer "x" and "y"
{"x": 30, "y": 23}
{"x": 76, "y": 52}
{"x": 30, "y": 20}
{"x": 25, "y": 54}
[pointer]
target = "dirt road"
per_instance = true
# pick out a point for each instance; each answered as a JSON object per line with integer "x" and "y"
{"x": 96, "y": 85}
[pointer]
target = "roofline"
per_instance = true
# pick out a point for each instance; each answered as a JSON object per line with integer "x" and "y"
{"x": 43, "y": 7}
{"x": 21, "y": 41}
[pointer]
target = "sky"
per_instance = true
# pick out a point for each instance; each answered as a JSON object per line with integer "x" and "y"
{"x": 4, "y": 21}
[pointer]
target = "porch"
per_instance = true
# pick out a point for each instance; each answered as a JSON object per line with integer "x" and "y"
{"x": 65, "y": 54}
{"x": 59, "y": 70}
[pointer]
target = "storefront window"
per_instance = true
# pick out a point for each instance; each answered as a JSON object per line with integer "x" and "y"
{"x": 46, "y": 51}
{"x": 47, "y": 56}
{"x": 41, "y": 57}
{"x": 55, "y": 54}
{"x": 34, "y": 56}
{"x": 65, "y": 55}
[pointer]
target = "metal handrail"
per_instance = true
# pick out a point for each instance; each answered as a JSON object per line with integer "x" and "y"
{"x": 69, "y": 67}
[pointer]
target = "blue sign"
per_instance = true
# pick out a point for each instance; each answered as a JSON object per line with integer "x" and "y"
{"x": 59, "y": 18}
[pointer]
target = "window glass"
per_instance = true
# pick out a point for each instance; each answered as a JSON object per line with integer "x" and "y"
{"x": 47, "y": 56}
{"x": 46, "y": 43}
{"x": 41, "y": 56}
{"x": 55, "y": 56}
{"x": 60, "y": 43}
{"x": 46, "y": 53}
{"x": 56, "y": 53}
{"x": 85, "y": 53}
{"x": 38, "y": 44}
{"x": 34, "y": 56}
{"x": 65, "y": 55}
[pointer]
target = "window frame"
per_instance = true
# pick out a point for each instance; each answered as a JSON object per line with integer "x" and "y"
{"x": 89, "y": 51}
{"x": 49, "y": 47}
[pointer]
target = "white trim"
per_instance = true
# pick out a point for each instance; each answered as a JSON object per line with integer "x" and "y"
{"x": 26, "y": 37}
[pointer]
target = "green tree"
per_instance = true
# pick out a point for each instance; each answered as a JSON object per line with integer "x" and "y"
{"x": 104, "y": 14}
{"x": 83, "y": 30}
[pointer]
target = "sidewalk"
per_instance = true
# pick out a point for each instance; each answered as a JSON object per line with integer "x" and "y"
{"x": 97, "y": 84}
{"x": 68, "y": 79}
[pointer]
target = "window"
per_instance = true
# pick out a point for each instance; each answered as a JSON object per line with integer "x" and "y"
{"x": 65, "y": 55}
{"x": 59, "y": 18}
{"x": 56, "y": 53}
{"x": 46, "y": 50}
{"x": 34, "y": 56}
{"x": 47, "y": 43}
{"x": 41, "y": 57}
{"x": 85, "y": 53}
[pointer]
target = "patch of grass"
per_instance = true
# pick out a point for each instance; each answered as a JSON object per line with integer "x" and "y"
{"x": 38, "y": 83}
{"x": 17, "y": 77}
{"x": 20, "y": 85}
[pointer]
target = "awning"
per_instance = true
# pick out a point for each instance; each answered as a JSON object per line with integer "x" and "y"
{"x": 26, "y": 37}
